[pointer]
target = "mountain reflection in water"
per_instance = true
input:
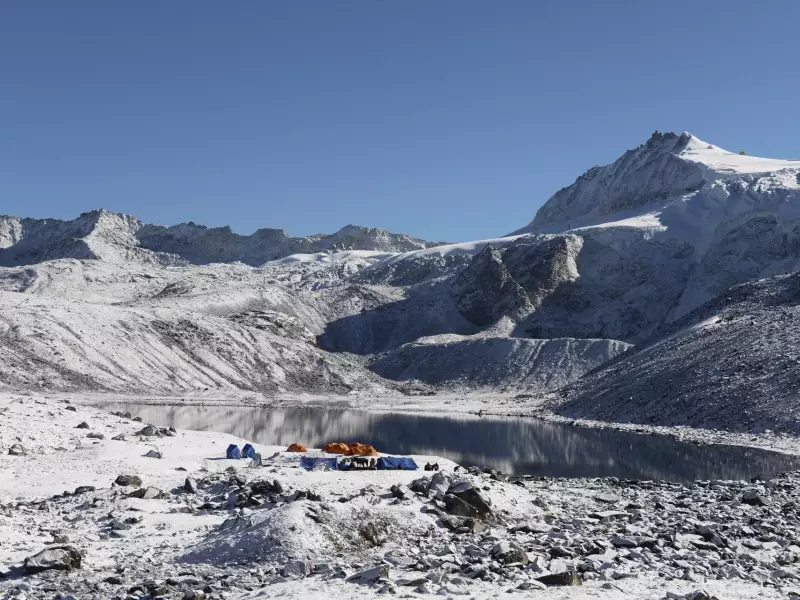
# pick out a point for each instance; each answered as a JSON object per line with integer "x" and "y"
{"x": 514, "y": 445}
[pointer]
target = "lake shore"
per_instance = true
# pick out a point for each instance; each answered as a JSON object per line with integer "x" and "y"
{"x": 281, "y": 531}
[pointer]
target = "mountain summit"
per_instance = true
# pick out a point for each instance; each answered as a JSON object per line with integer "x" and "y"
{"x": 667, "y": 167}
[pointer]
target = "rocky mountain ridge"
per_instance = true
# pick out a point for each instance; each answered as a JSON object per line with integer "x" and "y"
{"x": 116, "y": 237}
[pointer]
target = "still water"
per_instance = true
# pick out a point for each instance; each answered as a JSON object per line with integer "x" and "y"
{"x": 514, "y": 445}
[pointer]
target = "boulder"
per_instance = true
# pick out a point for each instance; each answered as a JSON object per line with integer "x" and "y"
{"x": 59, "y": 558}
{"x": 439, "y": 484}
{"x": 148, "y": 430}
{"x": 370, "y": 576}
{"x": 563, "y": 578}
{"x": 296, "y": 569}
{"x": 17, "y": 450}
{"x": 148, "y": 493}
{"x": 754, "y": 498}
{"x": 509, "y": 553}
{"x": 465, "y": 491}
{"x": 456, "y": 506}
{"x": 128, "y": 480}
{"x": 190, "y": 485}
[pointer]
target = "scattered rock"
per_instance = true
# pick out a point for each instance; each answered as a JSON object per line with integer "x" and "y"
{"x": 754, "y": 498}
{"x": 128, "y": 480}
{"x": 148, "y": 430}
{"x": 563, "y": 578}
{"x": 71, "y": 409}
{"x": 370, "y": 576}
{"x": 607, "y": 498}
{"x": 190, "y": 485}
{"x": 148, "y": 493}
{"x": 119, "y": 437}
{"x": 17, "y": 450}
{"x": 82, "y": 425}
{"x": 95, "y": 436}
{"x": 61, "y": 558}
{"x": 83, "y": 489}
{"x": 154, "y": 454}
{"x": 296, "y": 569}
{"x": 465, "y": 491}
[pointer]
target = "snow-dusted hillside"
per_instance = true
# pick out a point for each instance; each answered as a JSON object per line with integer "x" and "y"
{"x": 733, "y": 363}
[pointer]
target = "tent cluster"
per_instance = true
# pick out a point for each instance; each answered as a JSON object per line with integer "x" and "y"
{"x": 234, "y": 452}
{"x": 355, "y": 457}
{"x": 355, "y": 449}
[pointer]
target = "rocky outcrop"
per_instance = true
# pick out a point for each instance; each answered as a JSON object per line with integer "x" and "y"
{"x": 114, "y": 237}
{"x": 650, "y": 172}
{"x": 484, "y": 291}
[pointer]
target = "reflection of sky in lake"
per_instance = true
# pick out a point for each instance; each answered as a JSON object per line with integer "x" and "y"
{"x": 515, "y": 445}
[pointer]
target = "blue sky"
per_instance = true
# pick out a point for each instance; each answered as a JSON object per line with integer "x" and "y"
{"x": 450, "y": 119}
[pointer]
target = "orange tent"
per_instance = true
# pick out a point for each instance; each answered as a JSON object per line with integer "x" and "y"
{"x": 296, "y": 448}
{"x": 361, "y": 450}
{"x": 336, "y": 448}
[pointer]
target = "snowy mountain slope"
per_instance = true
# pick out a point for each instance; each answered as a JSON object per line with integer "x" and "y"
{"x": 495, "y": 362}
{"x": 116, "y": 237}
{"x": 733, "y": 364}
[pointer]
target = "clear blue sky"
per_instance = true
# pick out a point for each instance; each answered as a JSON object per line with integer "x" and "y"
{"x": 447, "y": 119}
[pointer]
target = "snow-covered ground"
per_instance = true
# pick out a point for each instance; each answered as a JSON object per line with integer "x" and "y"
{"x": 278, "y": 531}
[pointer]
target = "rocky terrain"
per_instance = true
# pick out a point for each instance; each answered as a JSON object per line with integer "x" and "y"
{"x": 150, "y": 512}
{"x": 731, "y": 364}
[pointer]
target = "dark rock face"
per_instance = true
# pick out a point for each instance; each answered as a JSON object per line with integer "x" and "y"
{"x": 485, "y": 291}
{"x": 61, "y": 558}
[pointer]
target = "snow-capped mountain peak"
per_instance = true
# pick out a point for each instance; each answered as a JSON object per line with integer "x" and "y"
{"x": 667, "y": 167}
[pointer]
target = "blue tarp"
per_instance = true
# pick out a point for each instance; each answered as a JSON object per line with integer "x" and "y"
{"x": 397, "y": 462}
{"x": 311, "y": 462}
{"x": 248, "y": 451}
{"x": 233, "y": 451}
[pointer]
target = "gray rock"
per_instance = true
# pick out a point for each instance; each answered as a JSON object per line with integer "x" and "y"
{"x": 296, "y": 569}
{"x": 95, "y": 436}
{"x": 563, "y": 578}
{"x": 17, "y": 450}
{"x": 148, "y": 493}
{"x": 60, "y": 558}
{"x": 620, "y": 541}
{"x": 465, "y": 491}
{"x": 754, "y": 498}
{"x": 607, "y": 498}
{"x": 153, "y": 454}
{"x": 119, "y": 437}
{"x": 369, "y": 576}
{"x": 400, "y": 492}
{"x": 82, "y": 425}
{"x": 531, "y": 585}
{"x": 439, "y": 484}
{"x": 148, "y": 430}
{"x": 509, "y": 553}
{"x": 194, "y": 595}
{"x": 128, "y": 480}
{"x": 190, "y": 485}
{"x": 456, "y": 506}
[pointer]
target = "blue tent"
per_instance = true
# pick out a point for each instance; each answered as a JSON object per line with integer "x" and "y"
{"x": 233, "y": 451}
{"x": 312, "y": 462}
{"x": 248, "y": 451}
{"x": 397, "y": 463}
